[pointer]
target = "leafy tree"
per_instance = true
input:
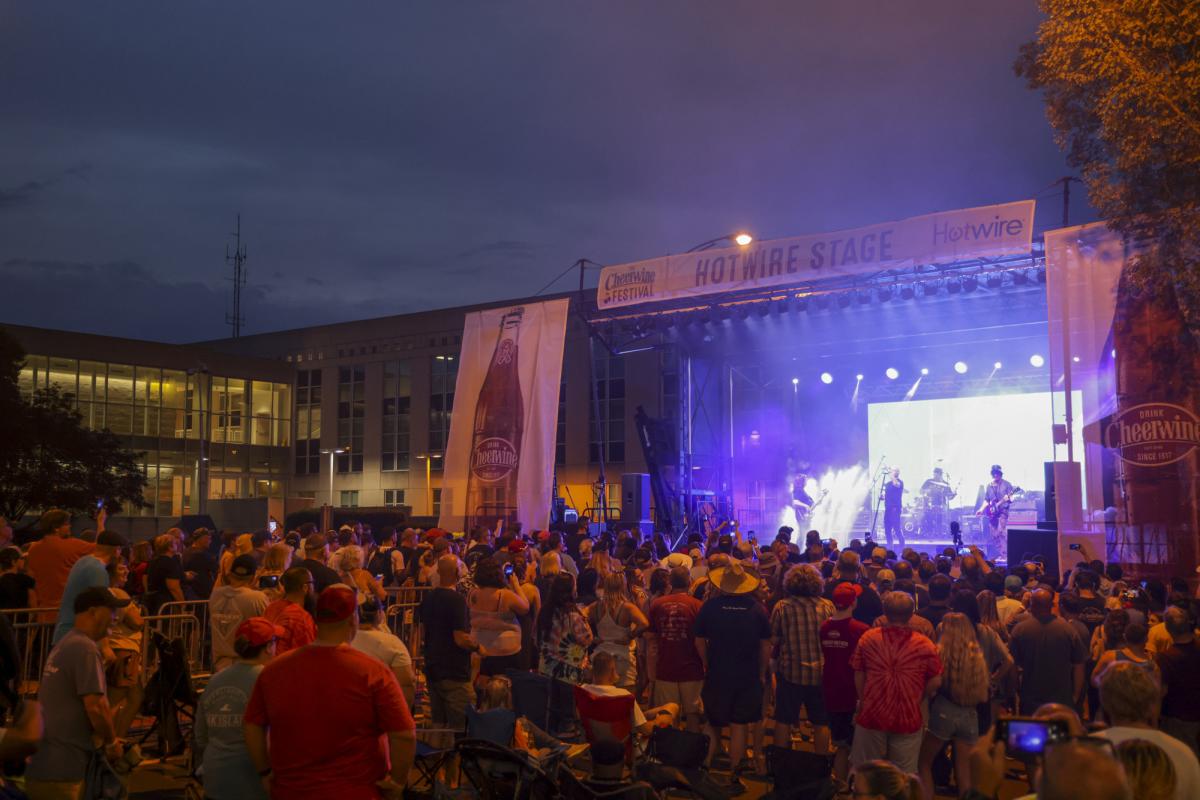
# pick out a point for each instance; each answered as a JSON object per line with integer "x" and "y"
{"x": 1121, "y": 80}
{"x": 49, "y": 459}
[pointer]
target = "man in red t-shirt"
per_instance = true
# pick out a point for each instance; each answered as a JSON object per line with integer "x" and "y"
{"x": 351, "y": 736}
{"x": 288, "y": 611}
{"x": 50, "y": 559}
{"x": 839, "y": 638}
{"x": 674, "y": 666}
{"x": 896, "y": 670}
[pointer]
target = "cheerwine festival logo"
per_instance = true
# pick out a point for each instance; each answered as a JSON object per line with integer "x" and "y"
{"x": 1154, "y": 434}
{"x": 505, "y": 354}
{"x": 494, "y": 458}
{"x": 636, "y": 283}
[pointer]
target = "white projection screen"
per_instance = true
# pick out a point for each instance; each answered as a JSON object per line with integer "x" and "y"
{"x": 965, "y": 436}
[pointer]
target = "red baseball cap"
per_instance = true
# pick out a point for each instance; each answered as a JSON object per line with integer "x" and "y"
{"x": 844, "y": 594}
{"x": 517, "y": 546}
{"x": 259, "y": 631}
{"x": 336, "y": 604}
{"x": 434, "y": 533}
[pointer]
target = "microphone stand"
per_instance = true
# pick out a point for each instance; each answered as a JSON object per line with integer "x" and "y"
{"x": 878, "y": 497}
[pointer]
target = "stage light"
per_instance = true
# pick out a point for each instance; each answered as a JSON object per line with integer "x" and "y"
{"x": 864, "y": 298}
{"x": 742, "y": 312}
{"x": 795, "y": 381}
{"x": 1036, "y": 360}
{"x": 826, "y": 378}
{"x": 960, "y": 367}
{"x": 997, "y": 365}
{"x": 885, "y": 294}
{"x": 924, "y": 370}
{"x": 801, "y": 303}
{"x": 764, "y": 309}
{"x": 892, "y": 373}
{"x": 953, "y": 287}
{"x": 970, "y": 283}
{"x": 1075, "y": 359}
{"x": 929, "y": 289}
{"x": 843, "y": 301}
{"x": 858, "y": 377}
{"x": 823, "y": 302}
{"x": 907, "y": 293}
{"x": 743, "y": 239}
{"x": 1041, "y": 276}
{"x": 1020, "y": 278}
{"x": 993, "y": 281}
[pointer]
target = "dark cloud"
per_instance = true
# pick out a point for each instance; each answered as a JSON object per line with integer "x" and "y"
{"x": 374, "y": 152}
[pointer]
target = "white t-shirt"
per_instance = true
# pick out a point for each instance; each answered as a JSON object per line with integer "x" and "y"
{"x": 1187, "y": 768}
{"x": 1006, "y": 607}
{"x": 639, "y": 719}
{"x": 384, "y": 646}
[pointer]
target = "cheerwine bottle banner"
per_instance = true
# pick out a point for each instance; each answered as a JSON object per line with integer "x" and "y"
{"x": 500, "y": 453}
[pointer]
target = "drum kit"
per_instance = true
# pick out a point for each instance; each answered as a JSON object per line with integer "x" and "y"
{"x": 929, "y": 513}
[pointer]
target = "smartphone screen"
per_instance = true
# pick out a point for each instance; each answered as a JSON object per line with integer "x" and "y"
{"x": 1030, "y": 736}
{"x": 268, "y": 581}
{"x": 272, "y": 525}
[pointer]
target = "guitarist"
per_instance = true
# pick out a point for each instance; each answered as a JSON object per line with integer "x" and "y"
{"x": 893, "y": 507}
{"x": 997, "y": 497}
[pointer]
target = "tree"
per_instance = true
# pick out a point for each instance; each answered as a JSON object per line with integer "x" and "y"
{"x": 49, "y": 459}
{"x": 1121, "y": 80}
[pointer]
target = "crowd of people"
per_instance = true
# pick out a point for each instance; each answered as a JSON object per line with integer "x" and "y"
{"x": 897, "y": 666}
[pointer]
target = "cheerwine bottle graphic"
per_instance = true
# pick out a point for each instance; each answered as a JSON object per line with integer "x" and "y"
{"x": 496, "y": 437}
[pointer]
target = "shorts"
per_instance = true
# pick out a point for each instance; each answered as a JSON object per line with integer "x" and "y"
{"x": 448, "y": 701}
{"x": 492, "y": 666}
{"x": 841, "y": 727}
{"x": 948, "y": 720}
{"x": 790, "y": 697}
{"x": 685, "y": 693}
{"x": 740, "y": 704}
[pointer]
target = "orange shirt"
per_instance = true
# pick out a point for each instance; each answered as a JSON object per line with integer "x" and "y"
{"x": 49, "y": 562}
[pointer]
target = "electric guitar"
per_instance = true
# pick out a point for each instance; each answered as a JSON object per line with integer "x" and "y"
{"x": 994, "y": 508}
{"x": 804, "y": 510}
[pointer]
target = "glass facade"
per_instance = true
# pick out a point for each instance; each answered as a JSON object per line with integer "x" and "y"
{"x": 351, "y": 416}
{"x": 443, "y": 376}
{"x": 610, "y": 387}
{"x": 397, "y": 401}
{"x": 308, "y": 422}
{"x": 160, "y": 414}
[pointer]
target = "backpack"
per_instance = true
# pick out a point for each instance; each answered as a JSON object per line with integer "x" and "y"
{"x": 381, "y": 564}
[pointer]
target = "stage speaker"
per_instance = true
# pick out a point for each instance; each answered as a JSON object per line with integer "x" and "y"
{"x": 1027, "y": 542}
{"x": 635, "y": 497}
{"x": 1049, "y": 520}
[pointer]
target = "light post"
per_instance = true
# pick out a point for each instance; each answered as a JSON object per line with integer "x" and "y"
{"x": 337, "y": 451}
{"x": 740, "y": 239}
{"x": 428, "y": 459}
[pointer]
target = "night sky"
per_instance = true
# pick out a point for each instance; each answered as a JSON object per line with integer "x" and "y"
{"x": 393, "y": 157}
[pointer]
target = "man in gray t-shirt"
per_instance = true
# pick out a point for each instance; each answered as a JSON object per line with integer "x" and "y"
{"x": 230, "y": 606}
{"x": 72, "y": 696}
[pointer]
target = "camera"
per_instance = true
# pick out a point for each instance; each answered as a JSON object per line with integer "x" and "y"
{"x": 1028, "y": 736}
{"x": 508, "y": 570}
{"x": 268, "y": 581}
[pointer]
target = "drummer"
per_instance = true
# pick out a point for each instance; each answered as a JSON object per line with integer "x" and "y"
{"x": 936, "y": 490}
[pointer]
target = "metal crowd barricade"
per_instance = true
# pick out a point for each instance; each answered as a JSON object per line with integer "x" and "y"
{"x": 186, "y": 620}
{"x": 33, "y": 629}
{"x": 402, "y": 604}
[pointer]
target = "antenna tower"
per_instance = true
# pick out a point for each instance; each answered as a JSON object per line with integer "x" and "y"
{"x": 238, "y": 259}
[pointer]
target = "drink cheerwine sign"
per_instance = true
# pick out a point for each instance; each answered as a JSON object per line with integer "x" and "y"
{"x": 500, "y": 452}
{"x": 986, "y": 231}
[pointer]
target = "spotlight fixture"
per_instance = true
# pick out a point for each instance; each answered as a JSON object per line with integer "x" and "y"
{"x": 1075, "y": 359}
{"x": 801, "y": 303}
{"x": 864, "y": 298}
{"x": 970, "y": 283}
{"x": 743, "y": 239}
{"x": 953, "y": 287}
{"x": 1036, "y": 360}
{"x": 826, "y": 378}
{"x": 763, "y": 309}
{"x": 993, "y": 281}
{"x": 1041, "y": 276}
{"x": 892, "y": 373}
{"x": 823, "y": 302}
{"x": 742, "y": 312}
{"x": 885, "y": 294}
{"x": 858, "y": 377}
{"x": 1020, "y": 277}
{"x": 929, "y": 289}
{"x": 960, "y": 367}
{"x": 795, "y": 381}
{"x": 907, "y": 293}
{"x": 843, "y": 301}
{"x": 997, "y": 365}
{"x": 924, "y": 370}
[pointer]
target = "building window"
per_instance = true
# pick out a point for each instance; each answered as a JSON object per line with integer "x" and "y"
{"x": 393, "y": 498}
{"x": 441, "y": 400}
{"x": 437, "y": 503}
{"x": 308, "y": 422}
{"x": 349, "y": 499}
{"x": 560, "y": 434}
{"x": 351, "y": 416}
{"x": 610, "y": 387}
{"x": 397, "y": 399}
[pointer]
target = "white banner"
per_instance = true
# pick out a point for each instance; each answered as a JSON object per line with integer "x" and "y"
{"x": 987, "y": 231}
{"x": 500, "y": 454}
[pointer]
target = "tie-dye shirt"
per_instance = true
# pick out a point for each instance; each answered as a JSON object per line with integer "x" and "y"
{"x": 898, "y": 662}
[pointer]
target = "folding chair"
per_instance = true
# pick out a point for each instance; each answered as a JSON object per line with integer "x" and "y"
{"x": 547, "y": 702}
{"x": 572, "y": 788}
{"x": 495, "y": 725}
{"x": 168, "y": 694}
{"x": 606, "y": 718}
{"x": 496, "y": 772}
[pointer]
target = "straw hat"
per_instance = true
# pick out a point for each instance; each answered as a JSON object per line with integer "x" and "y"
{"x": 734, "y": 579}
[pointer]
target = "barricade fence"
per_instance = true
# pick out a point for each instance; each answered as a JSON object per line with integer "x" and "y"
{"x": 188, "y": 621}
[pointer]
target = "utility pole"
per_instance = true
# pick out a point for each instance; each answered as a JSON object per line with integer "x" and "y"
{"x": 1066, "y": 184}
{"x": 238, "y": 259}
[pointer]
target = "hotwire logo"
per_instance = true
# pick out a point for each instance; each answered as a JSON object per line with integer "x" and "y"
{"x": 996, "y": 228}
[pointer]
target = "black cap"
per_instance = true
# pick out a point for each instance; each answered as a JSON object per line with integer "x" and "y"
{"x": 996, "y": 468}
{"x": 111, "y": 539}
{"x": 97, "y": 596}
{"x": 244, "y": 566}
